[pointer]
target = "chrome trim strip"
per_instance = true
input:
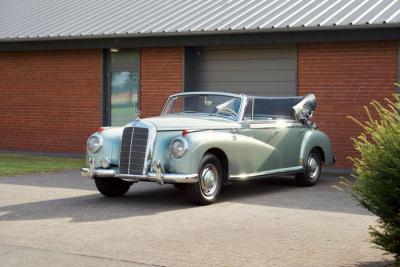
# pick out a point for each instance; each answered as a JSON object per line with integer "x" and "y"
{"x": 207, "y": 93}
{"x": 275, "y": 125}
{"x": 242, "y": 109}
{"x": 246, "y": 176}
{"x": 252, "y": 108}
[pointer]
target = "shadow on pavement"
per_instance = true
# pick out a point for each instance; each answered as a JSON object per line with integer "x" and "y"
{"x": 65, "y": 179}
{"x": 148, "y": 198}
{"x": 284, "y": 192}
{"x": 95, "y": 207}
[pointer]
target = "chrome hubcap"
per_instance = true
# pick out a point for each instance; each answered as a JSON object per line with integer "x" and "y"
{"x": 313, "y": 167}
{"x": 209, "y": 180}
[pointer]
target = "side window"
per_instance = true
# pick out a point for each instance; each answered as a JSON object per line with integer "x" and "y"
{"x": 248, "y": 113}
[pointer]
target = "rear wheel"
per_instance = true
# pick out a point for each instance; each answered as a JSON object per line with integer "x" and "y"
{"x": 313, "y": 169}
{"x": 112, "y": 187}
{"x": 208, "y": 188}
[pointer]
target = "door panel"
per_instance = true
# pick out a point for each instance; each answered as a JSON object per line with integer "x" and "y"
{"x": 288, "y": 142}
{"x": 283, "y": 141}
{"x": 266, "y": 156}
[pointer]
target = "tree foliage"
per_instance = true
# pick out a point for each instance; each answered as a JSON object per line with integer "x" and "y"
{"x": 377, "y": 171}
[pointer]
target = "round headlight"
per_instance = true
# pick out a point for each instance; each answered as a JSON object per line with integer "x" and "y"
{"x": 179, "y": 146}
{"x": 94, "y": 143}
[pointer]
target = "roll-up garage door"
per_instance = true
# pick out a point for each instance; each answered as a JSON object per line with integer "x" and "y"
{"x": 255, "y": 71}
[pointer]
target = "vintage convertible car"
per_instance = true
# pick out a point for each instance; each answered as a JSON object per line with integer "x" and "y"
{"x": 203, "y": 140}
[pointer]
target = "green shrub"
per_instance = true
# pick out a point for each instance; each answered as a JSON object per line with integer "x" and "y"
{"x": 377, "y": 172}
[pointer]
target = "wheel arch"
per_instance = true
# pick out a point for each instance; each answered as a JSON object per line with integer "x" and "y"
{"x": 315, "y": 139}
{"x": 321, "y": 152}
{"x": 223, "y": 158}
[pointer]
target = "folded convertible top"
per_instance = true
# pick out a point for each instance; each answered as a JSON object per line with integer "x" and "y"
{"x": 305, "y": 108}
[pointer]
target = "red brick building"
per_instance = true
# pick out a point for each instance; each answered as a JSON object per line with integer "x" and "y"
{"x": 63, "y": 76}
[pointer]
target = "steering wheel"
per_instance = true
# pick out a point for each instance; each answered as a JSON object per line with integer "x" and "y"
{"x": 227, "y": 111}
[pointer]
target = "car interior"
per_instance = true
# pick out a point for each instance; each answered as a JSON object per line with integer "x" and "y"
{"x": 289, "y": 108}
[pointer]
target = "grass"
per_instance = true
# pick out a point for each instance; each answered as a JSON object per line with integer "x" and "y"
{"x": 122, "y": 115}
{"x": 16, "y": 164}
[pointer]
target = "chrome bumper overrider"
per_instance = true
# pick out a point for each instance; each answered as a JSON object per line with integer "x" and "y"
{"x": 156, "y": 176}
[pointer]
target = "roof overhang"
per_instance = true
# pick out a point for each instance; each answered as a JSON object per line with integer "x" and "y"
{"x": 218, "y": 38}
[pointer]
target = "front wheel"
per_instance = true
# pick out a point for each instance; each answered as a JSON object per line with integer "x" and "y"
{"x": 112, "y": 187}
{"x": 208, "y": 188}
{"x": 313, "y": 169}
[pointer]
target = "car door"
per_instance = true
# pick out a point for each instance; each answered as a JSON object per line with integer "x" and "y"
{"x": 287, "y": 140}
{"x": 262, "y": 155}
{"x": 281, "y": 137}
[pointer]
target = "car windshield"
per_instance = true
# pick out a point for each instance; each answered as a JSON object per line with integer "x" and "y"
{"x": 212, "y": 105}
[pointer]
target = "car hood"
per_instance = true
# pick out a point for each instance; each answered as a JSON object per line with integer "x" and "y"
{"x": 185, "y": 122}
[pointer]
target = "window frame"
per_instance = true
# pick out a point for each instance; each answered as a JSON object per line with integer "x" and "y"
{"x": 108, "y": 69}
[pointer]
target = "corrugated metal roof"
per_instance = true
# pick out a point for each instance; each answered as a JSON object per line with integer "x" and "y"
{"x": 26, "y": 19}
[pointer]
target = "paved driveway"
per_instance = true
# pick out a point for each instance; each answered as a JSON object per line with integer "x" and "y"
{"x": 59, "y": 219}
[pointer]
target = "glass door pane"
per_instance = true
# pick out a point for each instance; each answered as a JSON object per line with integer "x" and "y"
{"x": 124, "y": 97}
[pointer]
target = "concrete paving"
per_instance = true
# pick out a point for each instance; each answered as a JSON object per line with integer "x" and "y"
{"x": 59, "y": 219}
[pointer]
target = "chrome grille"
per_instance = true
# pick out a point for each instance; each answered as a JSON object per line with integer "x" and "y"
{"x": 133, "y": 150}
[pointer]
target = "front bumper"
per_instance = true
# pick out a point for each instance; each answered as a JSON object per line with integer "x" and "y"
{"x": 156, "y": 176}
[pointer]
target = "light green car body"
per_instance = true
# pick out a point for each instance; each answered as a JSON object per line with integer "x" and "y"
{"x": 247, "y": 149}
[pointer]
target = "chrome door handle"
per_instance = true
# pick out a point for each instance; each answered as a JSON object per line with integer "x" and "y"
{"x": 277, "y": 130}
{"x": 301, "y": 130}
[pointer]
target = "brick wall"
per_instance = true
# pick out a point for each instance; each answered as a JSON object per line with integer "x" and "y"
{"x": 50, "y": 101}
{"x": 345, "y": 77}
{"x": 161, "y": 75}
